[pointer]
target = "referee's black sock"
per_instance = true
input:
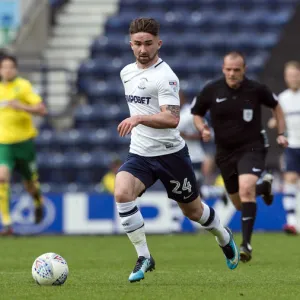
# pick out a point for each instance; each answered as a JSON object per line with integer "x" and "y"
{"x": 248, "y": 219}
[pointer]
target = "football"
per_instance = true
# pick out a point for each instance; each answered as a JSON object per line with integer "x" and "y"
{"x": 50, "y": 269}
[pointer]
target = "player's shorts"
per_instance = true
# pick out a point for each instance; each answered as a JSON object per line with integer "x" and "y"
{"x": 291, "y": 160}
{"x": 241, "y": 161}
{"x": 174, "y": 170}
{"x": 20, "y": 157}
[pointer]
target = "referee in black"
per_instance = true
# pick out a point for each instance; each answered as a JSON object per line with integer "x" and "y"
{"x": 234, "y": 102}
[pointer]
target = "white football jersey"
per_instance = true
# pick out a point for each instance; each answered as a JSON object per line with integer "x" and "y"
{"x": 186, "y": 125}
{"x": 145, "y": 91}
{"x": 290, "y": 103}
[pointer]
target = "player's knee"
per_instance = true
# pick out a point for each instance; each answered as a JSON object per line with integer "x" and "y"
{"x": 122, "y": 196}
{"x": 246, "y": 191}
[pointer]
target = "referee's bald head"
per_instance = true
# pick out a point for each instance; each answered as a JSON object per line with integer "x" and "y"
{"x": 235, "y": 54}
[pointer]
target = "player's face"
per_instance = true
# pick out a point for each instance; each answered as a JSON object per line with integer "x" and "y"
{"x": 234, "y": 71}
{"x": 145, "y": 47}
{"x": 8, "y": 70}
{"x": 292, "y": 78}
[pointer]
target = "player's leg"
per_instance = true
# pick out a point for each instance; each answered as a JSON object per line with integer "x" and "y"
{"x": 201, "y": 213}
{"x": 132, "y": 180}
{"x": 250, "y": 166}
{"x": 247, "y": 195}
{"x": 6, "y": 167}
{"x": 290, "y": 188}
{"x": 236, "y": 200}
{"x": 264, "y": 189}
{"x": 32, "y": 186}
{"x": 176, "y": 173}
{"x": 290, "y": 191}
{"x": 228, "y": 169}
{"x": 27, "y": 167}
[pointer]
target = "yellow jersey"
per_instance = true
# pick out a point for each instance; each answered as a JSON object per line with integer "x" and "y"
{"x": 16, "y": 125}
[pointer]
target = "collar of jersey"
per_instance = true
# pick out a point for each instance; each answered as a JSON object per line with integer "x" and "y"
{"x": 158, "y": 61}
{"x": 243, "y": 82}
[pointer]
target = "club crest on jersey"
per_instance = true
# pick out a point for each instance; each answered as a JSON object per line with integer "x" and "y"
{"x": 174, "y": 85}
{"x": 142, "y": 83}
{"x": 248, "y": 115}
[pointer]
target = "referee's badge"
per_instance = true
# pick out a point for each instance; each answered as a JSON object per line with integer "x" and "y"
{"x": 248, "y": 115}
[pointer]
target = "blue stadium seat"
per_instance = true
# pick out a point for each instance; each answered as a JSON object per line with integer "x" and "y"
{"x": 143, "y": 6}
{"x": 44, "y": 141}
{"x": 100, "y": 137}
{"x": 175, "y": 20}
{"x": 280, "y": 18}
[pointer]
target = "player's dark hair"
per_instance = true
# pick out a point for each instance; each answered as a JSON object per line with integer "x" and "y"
{"x": 148, "y": 25}
{"x": 235, "y": 54}
{"x": 9, "y": 57}
{"x": 293, "y": 63}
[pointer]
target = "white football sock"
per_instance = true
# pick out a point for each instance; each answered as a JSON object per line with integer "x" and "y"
{"x": 211, "y": 222}
{"x": 133, "y": 224}
{"x": 289, "y": 203}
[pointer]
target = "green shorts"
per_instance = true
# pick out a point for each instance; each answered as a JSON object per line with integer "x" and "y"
{"x": 20, "y": 157}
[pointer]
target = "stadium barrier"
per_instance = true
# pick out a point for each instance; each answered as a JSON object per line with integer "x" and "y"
{"x": 80, "y": 213}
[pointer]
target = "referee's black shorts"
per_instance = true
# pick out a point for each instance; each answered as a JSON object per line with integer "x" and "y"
{"x": 246, "y": 160}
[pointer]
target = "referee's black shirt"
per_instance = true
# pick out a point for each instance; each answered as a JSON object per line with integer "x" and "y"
{"x": 235, "y": 113}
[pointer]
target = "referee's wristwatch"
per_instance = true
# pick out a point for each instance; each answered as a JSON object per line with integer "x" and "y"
{"x": 281, "y": 133}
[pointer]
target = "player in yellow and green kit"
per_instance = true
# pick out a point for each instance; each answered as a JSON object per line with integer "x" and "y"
{"x": 18, "y": 102}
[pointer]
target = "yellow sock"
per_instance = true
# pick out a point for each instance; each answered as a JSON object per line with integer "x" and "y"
{"x": 37, "y": 197}
{"x": 4, "y": 204}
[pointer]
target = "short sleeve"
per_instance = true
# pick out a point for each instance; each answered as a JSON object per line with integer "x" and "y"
{"x": 168, "y": 91}
{"x": 28, "y": 95}
{"x": 201, "y": 103}
{"x": 268, "y": 98}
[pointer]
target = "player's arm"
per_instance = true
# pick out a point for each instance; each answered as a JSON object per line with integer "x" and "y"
{"x": 271, "y": 100}
{"x": 167, "y": 118}
{"x": 272, "y": 123}
{"x": 29, "y": 101}
{"x": 200, "y": 106}
{"x": 169, "y": 103}
{"x": 278, "y": 115}
{"x": 35, "y": 109}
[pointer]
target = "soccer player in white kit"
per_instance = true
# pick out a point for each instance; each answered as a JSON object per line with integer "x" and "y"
{"x": 157, "y": 150}
{"x": 191, "y": 136}
{"x": 290, "y": 103}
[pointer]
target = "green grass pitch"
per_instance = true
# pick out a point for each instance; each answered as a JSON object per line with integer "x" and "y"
{"x": 187, "y": 267}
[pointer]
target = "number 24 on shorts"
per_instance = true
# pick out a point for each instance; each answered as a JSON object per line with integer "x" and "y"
{"x": 186, "y": 186}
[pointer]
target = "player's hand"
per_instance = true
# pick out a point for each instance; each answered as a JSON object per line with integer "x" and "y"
{"x": 282, "y": 141}
{"x": 127, "y": 125}
{"x": 205, "y": 133}
{"x": 15, "y": 104}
